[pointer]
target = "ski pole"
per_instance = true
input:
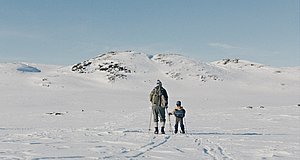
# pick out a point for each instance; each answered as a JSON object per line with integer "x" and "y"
{"x": 150, "y": 121}
{"x": 184, "y": 120}
{"x": 170, "y": 125}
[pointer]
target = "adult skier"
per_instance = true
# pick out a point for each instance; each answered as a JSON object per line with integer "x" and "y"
{"x": 179, "y": 113}
{"x": 159, "y": 100}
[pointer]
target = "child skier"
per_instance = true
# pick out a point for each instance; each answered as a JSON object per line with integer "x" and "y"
{"x": 179, "y": 113}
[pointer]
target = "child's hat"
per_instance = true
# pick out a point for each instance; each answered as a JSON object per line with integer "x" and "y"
{"x": 178, "y": 103}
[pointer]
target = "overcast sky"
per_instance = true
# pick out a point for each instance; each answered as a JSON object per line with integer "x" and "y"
{"x": 69, "y": 31}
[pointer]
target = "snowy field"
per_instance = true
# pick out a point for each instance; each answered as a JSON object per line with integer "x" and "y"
{"x": 100, "y": 109}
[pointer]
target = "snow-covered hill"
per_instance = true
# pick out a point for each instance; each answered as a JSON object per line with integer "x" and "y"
{"x": 100, "y": 109}
{"x": 118, "y": 65}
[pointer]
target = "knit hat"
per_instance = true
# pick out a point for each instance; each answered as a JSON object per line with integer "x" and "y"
{"x": 178, "y": 103}
{"x": 158, "y": 82}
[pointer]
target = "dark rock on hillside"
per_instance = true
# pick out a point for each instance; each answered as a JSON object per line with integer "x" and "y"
{"x": 227, "y": 61}
{"x": 104, "y": 63}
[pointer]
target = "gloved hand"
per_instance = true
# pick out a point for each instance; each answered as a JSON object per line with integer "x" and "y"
{"x": 170, "y": 114}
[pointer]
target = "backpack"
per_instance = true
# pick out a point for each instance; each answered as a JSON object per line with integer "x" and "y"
{"x": 159, "y": 97}
{"x": 156, "y": 97}
{"x": 179, "y": 113}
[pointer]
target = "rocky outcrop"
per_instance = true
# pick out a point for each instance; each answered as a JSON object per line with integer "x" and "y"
{"x": 106, "y": 64}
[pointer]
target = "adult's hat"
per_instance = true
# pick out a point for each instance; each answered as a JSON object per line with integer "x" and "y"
{"x": 158, "y": 82}
{"x": 178, "y": 103}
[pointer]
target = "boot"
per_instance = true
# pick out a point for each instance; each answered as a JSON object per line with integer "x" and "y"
{"x": 175, "y": 131}
{"x": 162, "y": 130}
{"x": 182, "y": 130}
{"x": 156, "y": 130}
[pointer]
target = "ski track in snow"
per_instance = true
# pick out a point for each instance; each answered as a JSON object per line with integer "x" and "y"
{"x": 212, "y": 150}
{"x": 93, "y": 139}
{"x": 95, "y": 143}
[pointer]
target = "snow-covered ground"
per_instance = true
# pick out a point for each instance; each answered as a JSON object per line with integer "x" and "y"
{"x": 100, "y": 109}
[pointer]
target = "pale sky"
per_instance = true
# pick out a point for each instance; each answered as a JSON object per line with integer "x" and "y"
{"x": 70, "y": 31}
